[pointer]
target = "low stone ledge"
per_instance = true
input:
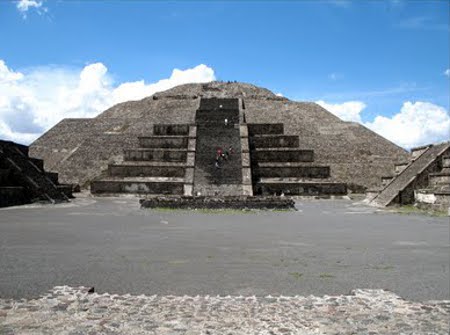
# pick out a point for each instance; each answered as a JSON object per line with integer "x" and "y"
{"x": 229, "y": 202}
{"x": 68, "y": 310}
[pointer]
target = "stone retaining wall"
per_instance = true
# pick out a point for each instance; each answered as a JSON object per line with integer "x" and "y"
{"x": 241, "y": 202}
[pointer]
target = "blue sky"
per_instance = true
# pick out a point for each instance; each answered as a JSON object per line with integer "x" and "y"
{"x": 380, "y": 54}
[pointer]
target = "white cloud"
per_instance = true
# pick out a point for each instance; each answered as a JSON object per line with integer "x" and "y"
{"x": 347, "y": 111}
{"x": 33, "y": 102}
{"x": 416, "y": 124}
{"x": 447, "y": 72}
{"x": 279, "y": 95}
{"x": 25, "y": 5}
{"x": 334, "y": 76}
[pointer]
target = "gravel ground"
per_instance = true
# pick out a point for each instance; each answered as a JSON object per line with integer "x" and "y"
{"x": 68, "y": 310}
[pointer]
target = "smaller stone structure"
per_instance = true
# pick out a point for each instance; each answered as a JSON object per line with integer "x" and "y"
{"x": 423, "y": 179}
{"x": 280, "y": 166}
{"x": 24, "y": 180}
{"x": 210, "y": 202}
{"x": 162, "y": 164}
{"x": 437, "y": 194}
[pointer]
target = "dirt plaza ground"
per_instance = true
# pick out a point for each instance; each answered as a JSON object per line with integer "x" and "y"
{"x": 331, "y": 267}
{"x": 325, "y": 247}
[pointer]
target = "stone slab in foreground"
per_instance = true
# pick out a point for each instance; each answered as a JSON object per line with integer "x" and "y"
{"x": 68, "y": 310}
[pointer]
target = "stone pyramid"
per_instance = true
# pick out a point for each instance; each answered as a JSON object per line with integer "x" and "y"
{"x": 167, "y": 144}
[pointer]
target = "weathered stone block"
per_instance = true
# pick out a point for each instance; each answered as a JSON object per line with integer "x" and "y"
{"x": 163, "y": 142}
{"x": 170, "y": 129}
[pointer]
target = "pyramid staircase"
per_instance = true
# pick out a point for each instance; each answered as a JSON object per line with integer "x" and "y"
{"x": 24, "y": 180}
{"x": 217, "y": 123}
{"x": 280, "y": 166}
{"x": 163, "y": 164}
{"x": 419, "y": 172}
{"x": 180, "y": 159}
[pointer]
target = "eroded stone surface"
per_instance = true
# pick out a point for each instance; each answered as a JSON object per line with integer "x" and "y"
{"x": 69, "y": 310}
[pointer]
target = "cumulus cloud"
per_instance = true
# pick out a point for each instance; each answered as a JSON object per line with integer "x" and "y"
{"x": 33, "y": 102}
{"x": 417, "y": 123}
{"x": 347, "y": 111}
{"x": 447, "y": 72}
{"x": 25, "y": 5}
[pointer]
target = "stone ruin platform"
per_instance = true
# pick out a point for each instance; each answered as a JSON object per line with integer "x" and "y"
{"x": 70, "y": 310}
{"x": 230, "y": 202}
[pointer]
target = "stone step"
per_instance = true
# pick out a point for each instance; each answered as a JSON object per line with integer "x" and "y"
{"x": 265, "y": 128}
{"x": 439, "y": 178}
{"x": 53, "y": 176}
{"x": 29, "y": 174}
{"x": 217, "y": 117}
{"x": 136, "y": 185}
{"x": 67, "y": 189}
{"x": 163, "y": 155}
{"x": 140, "y": 170}
{"x": 278, "y": 170}
{"x": 152, "y": 163}
{"x": 209, "y": 179}
{"x": 4, "y": 176}
{"x": 446, "y": 161}
{"x": 219, "y": 103}
{"x": 171, "y": 129}
{"x": 12, "y": 196}
{"x": 274, "y": 141}
{"x": 282, "y": 155}
{"x": 305, "y": 188}
{"x": 38, "y": 162}
{"x": 163, "y": 142}
{"x": 386, "y": 180}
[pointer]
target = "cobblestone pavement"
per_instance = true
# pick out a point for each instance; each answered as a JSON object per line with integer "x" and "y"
{"x": 69, "y": 310}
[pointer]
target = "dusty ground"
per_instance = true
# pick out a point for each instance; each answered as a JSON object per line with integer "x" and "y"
{"x": 327, "y": 247}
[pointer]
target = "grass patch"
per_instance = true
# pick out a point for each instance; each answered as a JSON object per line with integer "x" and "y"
{"x": 382, "y": 267}
{"x": 411, "y": 209}
{"x": 296, "y": 275}
{"x": 326, "y": 275}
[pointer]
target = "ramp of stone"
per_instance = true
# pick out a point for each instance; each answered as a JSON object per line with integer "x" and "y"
{"x": 409, "y": 174}
{"x": 213, "y": 133}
